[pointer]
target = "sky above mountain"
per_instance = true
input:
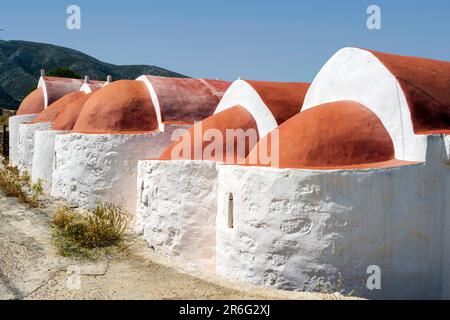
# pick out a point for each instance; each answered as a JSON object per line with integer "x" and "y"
{"x": 285, "y": 40}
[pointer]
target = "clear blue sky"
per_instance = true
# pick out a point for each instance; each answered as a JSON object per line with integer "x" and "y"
{"x": 284, "y": 40}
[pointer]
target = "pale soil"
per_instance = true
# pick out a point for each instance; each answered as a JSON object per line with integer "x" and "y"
{"x": 30, "y": 267}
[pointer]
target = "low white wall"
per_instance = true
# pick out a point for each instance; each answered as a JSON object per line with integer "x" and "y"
{"x": 92, "y": 168}
{"x": 14, "y": 124}
{"x": 176, "y": 209}
{"x": 26, "y": 143}
{"x": 43, "y": 156}
{"x": 295, "y": 229}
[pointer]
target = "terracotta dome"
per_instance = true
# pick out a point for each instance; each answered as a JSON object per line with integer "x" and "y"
{"x": 426, "y": 85}
{"x": 337, "y": 134}
{"x": 92, "y": 85}
{"x": 410, "y": 95}
{"x": 284, "y": 99}
{"x": 184, "y": 100}
{"x": 270, "y": 103}
{"x": 53, "y": 110}
{"x": 56, "y": 87}
{"x": 233, "y": 118}
{"x": 68, "y": 116}
{"x": 49, "y": 90}
{"x": 33, "y": 103}
{"x": 122, "y": 106}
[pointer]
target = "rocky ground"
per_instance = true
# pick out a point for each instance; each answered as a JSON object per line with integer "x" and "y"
{"x": 30, "y": 267}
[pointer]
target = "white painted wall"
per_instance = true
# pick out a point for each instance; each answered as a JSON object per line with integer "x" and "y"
{"x": 243, "y": 94}
{"x": 43, "y": 156}
{"x": 176, "y": 209}
{"x": 91, "y": 168}
{"x": 26, "y": 143}
{"x": 447, "y": 146}
{"x": 14, "y": 124}
{"x": 355, "y": 74}
{"x": 293, "y": 228}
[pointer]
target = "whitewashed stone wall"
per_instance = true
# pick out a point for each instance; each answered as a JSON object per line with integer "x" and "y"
{"x": 14, "y": 124}
{"x": 447, "y": 146}
{"x": 92, "y": 168}
{"x": 296, "y": 229}
{"x": 43, "y": 157}
{"x": 26, "y": 143}
{"x": 176, "y": 209}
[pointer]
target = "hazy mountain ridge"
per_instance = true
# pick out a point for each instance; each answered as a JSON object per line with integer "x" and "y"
{"x": 21, "y": 61}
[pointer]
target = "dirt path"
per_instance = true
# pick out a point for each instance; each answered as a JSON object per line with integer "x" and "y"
{"x": 30, "y": 268}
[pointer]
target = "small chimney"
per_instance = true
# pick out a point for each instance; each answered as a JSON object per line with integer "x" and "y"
{"x": 86, "y": 79}
{"x": 42, "y": 72}
{"x": 109, "y": 79}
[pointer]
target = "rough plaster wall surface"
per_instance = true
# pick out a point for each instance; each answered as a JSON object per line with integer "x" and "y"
{"x": 26, "y": 143}
{"x": 355, "y": 74}
{"x": 299, "y": 229}
{"x": 447, "y": 146}
{"x": 14, "y": 124}
{"x": 43, "y": 156}
{"x": 92, "y": 168}
{"x": 176, "y": 209}
{"x": 434, "y": 157}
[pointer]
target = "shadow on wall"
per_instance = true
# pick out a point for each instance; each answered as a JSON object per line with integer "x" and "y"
{"x": 298, "y": 229}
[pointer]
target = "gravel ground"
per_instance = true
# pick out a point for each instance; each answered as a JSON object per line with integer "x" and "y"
{"x": 30, "y": 267}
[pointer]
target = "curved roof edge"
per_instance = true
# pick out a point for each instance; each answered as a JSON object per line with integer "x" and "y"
{"x": 93, "y": 85}
{"x": 55, "y": 87}
{"x": 155, "y": 101}
{"x": 198, "y": 96}
{"x": 270, "y": 103}
{"x": 242, "y": 93}
{"x": 341, "y": 78}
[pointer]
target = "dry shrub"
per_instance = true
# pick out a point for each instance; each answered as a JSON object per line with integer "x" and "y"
{"x": 62, "y": 217}
{"x": 11, "y": 182}
{"x": 15, "y": 184}
{"x": 75, "y": 233}
{"x": 25, "y": 178}
{"x": 105, "y": 225}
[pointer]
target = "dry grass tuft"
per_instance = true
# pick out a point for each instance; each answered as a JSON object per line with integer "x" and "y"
{"x": 74, "y": 233}
{"x": 18, "y": 185}
{"x": 11, "y": 182}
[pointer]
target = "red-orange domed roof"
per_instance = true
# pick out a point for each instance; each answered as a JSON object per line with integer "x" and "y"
{"x": 68, "y": 116}
{"x": 49, "y": 90}
{"x": 337, "y": 134}
{"x": 186, "y": 100}
{"x": 56, "y": 87}
{"x": 53, "y": 110}
{"x": 284, "y": 99}
{"x": 233, "y": 118}
{"x": 33, "y": 103}
{"x": 426, "y": 85}
{"x": 122, "y": 106}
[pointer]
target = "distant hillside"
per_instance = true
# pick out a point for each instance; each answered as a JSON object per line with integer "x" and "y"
{"x": 6, "y": 99}
{"x": 21, "y": 61}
